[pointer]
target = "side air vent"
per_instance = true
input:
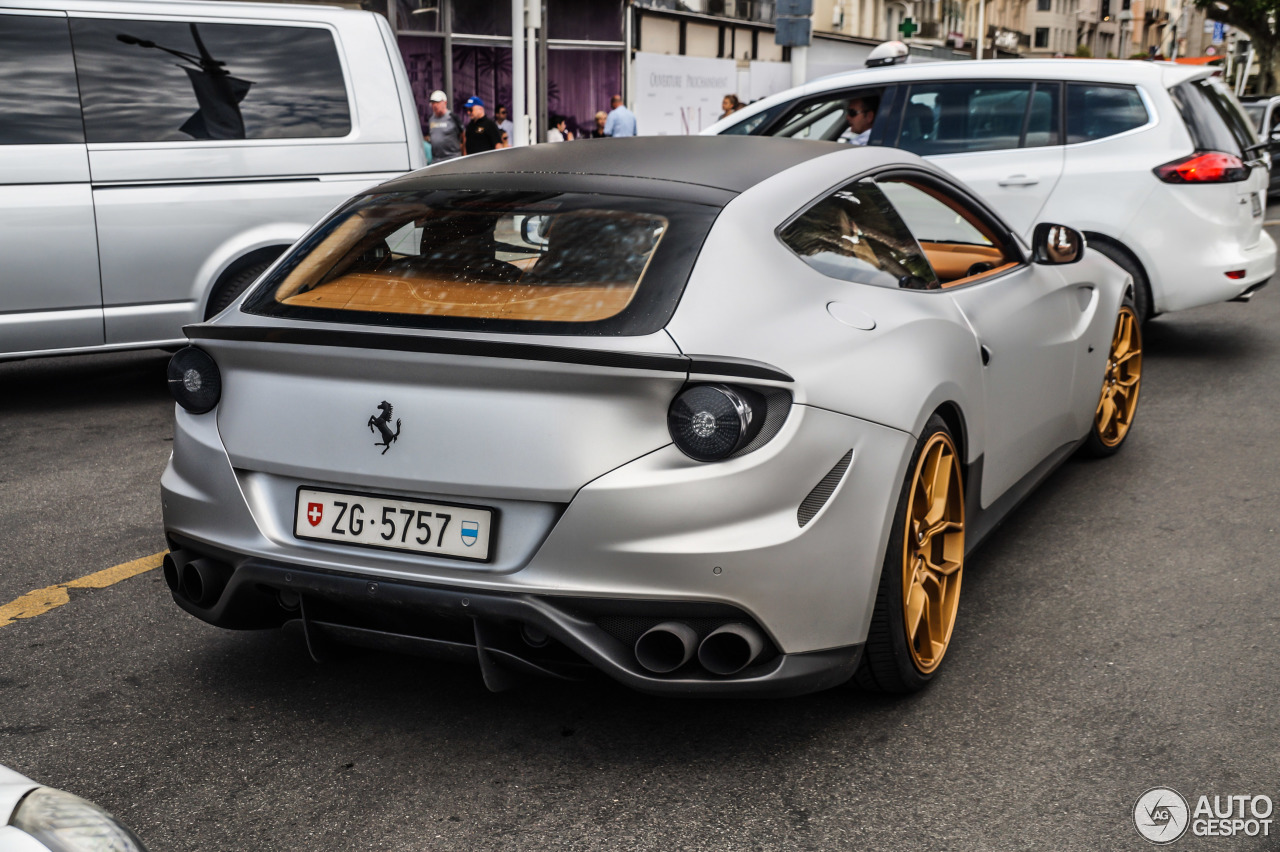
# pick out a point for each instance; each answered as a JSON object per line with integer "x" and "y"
{"x": 822, "y": 492}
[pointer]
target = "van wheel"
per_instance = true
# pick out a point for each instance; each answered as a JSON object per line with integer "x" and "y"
{"x": 230, "y": 289}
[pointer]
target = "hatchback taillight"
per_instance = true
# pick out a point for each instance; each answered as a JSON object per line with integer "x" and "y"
{"x": 1204, "y": 167}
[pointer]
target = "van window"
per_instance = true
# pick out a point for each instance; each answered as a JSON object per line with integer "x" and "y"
{"x": 1096, "y": 111}
{"x": 854, "y": 234}
{"x": 954, "y": 118}
{"x": 39, "y": 104}
{"x": 169, "y": 81}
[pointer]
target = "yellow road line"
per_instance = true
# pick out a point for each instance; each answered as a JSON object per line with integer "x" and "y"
{"x": 42, "y": 600}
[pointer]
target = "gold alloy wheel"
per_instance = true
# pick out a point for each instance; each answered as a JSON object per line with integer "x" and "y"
{"x": 1123, "y": 380}
{"x": 933, "y": 552}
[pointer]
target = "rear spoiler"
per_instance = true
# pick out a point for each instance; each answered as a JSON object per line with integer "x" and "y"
{"x": 699, "y": 364}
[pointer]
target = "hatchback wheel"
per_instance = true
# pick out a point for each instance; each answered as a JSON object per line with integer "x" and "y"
{"x": 1118, "y": 403}
{"x": 919, "y": 591}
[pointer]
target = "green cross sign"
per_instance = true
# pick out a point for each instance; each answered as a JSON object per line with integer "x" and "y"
{"x": 907, "y": 27}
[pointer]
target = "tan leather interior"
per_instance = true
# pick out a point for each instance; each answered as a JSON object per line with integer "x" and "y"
{"x": 952, "y": 261}
{"x": 378, "y": 293}
{"x": 972, "y": 278}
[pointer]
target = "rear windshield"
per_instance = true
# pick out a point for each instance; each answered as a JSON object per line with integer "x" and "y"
{"x": 543, "y": 263}
{"x": 1213, "y": 116}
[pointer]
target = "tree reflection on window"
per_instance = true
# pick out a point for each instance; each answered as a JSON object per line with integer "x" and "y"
{"x": 854, "y": 234}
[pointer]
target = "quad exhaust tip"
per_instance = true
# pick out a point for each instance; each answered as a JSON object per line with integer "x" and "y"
{"x": 200, "y": 581}
{"x": 730, "y": 649}
{"x": 727, "y": 650}
{"x": 666, "y": 647}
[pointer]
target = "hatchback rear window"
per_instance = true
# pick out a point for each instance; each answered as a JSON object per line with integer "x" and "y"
{"x": 1213, "y": 117}
{"x": 550, "y": 263}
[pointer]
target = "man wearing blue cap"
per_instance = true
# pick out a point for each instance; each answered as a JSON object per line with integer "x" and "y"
{"x": 482, "y": 133}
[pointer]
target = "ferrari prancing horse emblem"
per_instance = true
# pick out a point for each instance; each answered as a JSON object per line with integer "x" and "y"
{"x": 382, "y": 422}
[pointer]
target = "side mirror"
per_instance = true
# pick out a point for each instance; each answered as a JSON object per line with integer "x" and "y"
{"x": 1056, "y": 244}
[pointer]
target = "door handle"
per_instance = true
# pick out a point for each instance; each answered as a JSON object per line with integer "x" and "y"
{"x": 1019, "y": 180}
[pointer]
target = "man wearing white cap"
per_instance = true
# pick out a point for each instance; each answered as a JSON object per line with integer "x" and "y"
{"x": 443, "y": 131}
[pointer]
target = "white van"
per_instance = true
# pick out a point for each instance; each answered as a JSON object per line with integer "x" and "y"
{"x": 157, "y": 155}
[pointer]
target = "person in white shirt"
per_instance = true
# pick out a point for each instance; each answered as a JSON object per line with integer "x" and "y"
{"x": 559, "y": 131}
{"x": 860, "y": 115}
{"x": 504, "y": 123}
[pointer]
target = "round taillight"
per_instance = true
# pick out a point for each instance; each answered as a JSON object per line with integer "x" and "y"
{"x": 711, "y": 422}
{"x": 194, "y": 380}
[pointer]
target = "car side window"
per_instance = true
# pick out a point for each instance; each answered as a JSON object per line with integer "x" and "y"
{"x": 1096, "y": 111}
{"x": 960, "y": 248}
{"x": 1044, "y": 117}
{"x": 750, "y": 126}
{"x": 854, "y": 234}
{"x": 158, "y": 81}
{"x": 956, "y": 118}
{"x": 827, "y": 119}
{"x": 39, "y": 102}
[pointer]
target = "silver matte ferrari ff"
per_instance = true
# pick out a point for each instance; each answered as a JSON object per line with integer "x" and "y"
{"x": 713, "y": 416}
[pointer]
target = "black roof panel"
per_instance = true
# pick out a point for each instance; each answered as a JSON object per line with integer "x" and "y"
{"x": 730, "y": 164}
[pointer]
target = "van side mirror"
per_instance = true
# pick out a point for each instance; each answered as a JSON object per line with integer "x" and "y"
{"x": 1057, "y": 244}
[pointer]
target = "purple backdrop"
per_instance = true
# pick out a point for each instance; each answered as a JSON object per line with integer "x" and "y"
{"x": 424, "y": 60}
{"x": 579, "y": 81}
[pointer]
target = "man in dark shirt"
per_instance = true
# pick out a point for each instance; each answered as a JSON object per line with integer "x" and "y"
{"x": 482, "y": 133}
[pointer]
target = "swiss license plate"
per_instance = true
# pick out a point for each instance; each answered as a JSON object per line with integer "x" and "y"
{"x": 391, "y": 523}
{"x": 1256, "y": 204}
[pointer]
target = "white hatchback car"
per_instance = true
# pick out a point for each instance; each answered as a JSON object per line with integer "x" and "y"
{"x": 1155, "y": 162}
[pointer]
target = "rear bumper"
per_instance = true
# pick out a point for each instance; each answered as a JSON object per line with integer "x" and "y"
{"x": 510, "y": 636}
{"x": 1188, "y": 247}
{"x": 658, "y": 528}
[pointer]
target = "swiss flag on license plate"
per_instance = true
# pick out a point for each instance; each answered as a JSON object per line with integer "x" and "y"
{"x": 314, "y": 512}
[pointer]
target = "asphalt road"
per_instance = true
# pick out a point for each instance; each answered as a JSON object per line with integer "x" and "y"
{"x": 1119, "y": 632}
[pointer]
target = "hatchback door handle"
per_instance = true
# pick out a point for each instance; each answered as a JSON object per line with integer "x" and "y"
{"x": 1019, "y": 180}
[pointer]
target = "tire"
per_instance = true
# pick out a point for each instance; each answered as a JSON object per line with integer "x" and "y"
{"x": 1141, "y": 287}
{"x": 926, "y": 570}
{"x": 228, "y": 290}
{"x": 1121, "y": 385}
